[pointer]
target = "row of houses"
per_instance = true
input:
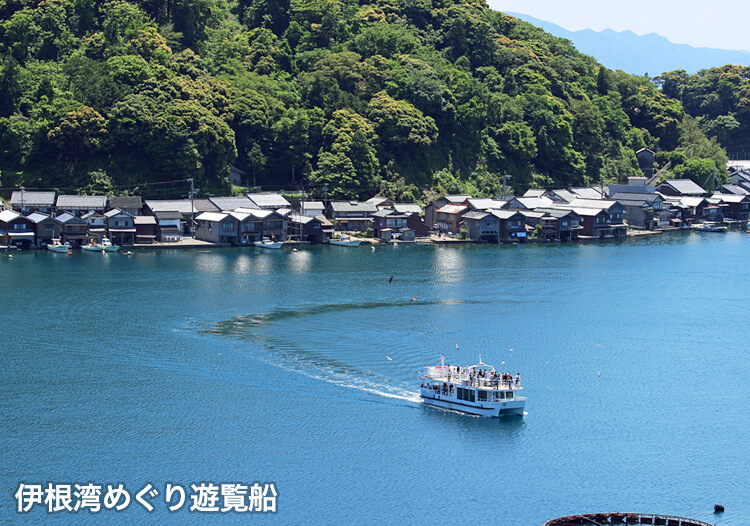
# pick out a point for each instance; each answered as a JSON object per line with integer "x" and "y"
{"x": 561, "y": 214}
{"x": 600, "y": 211}
{"x": 36, "y": 218}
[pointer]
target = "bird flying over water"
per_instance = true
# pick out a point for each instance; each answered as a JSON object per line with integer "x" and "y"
{"x": 390, "y": 279}
{"x": 389, "y": 358}
{"x": 414, "y": 298}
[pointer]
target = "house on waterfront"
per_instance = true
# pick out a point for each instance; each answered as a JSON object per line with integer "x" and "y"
{"x": 732, "y": 206}
{"x": 97, "y": 224}
{"x": 643, "y": 210}
{"x": 308, "y": 228}
{"x": 249, "y": 226}
{"x": 46, "y": 228}
{"x": 685, "y": 210}
{"x": 79, "y": 205}
{"x": 26, "y": 202}
{"x": 73, "y": 229}
{"x": 495, "y": 226}
{"x": 600, "y": 217}
{"x": 186, "y": 207}
{"x": 352, "y": 216}
{"x": 16, "y": 229}
{"x": 169, "y": 226}
{"x": 431, "y": 210}
{"x": 120, "y": 227}
{"x": 145, "y": 229}
{"x": 216, "y": 227}
{"x": 129, "y": 204}
{"x": 680, "y": 188}
{"x": 560, "y": 225}
{"x": 448, "y": 218}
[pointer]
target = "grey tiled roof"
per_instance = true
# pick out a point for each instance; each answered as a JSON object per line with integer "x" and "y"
{"x": 231, "y": 203}
{"x": 66, "y": 202}
{"x": 353, "y": 206}
{"x": 269, "y": 200}
{"x": 124, "y": 203}
{"x": 685, "y": 186}
{"x": 36, "y": 199}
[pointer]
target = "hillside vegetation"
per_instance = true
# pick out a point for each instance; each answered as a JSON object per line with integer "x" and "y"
{"x": 397, "y": 96}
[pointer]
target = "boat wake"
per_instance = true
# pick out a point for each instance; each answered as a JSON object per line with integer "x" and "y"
{"x": 332, "y": 348}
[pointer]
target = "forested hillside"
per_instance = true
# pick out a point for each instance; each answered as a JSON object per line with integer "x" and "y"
{"x": 398, "y": 96}
{"x": 720, "y": 99}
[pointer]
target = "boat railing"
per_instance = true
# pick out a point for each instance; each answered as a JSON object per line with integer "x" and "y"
{"x": 454, "y": 375}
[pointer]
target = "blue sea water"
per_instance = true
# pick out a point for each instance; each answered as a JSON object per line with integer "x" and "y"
{"x": 244, "y": 365}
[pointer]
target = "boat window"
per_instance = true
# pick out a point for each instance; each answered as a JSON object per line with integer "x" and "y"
{"x": 482, "y": 396}
{"x": 510, "y": 394}
{"x": 471, "y": 394}
{"x": 500, "y": 395}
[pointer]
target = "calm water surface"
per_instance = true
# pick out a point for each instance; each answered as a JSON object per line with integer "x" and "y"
{"x": 243, "y": 365}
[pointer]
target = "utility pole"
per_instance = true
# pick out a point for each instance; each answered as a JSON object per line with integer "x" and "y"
{"x": 505, "y": 184}
{"x": 325, "y": 193}
{"x": 192, "y": 208}
{"x": 22, "y": 197}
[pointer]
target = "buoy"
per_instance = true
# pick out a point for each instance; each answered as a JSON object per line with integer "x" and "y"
{"x": 718, "y": 508}
{"x": 294, "y": 250}
{"x": 70, "y": 253}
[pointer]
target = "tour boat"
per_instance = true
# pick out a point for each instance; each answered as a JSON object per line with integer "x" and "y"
{"x": 56, "y": 246}
{"x": 477, "y": 389}
{"x": 344, "y": 240}
{"x": 267, "y": 243}
{"x": 108, "y": 246}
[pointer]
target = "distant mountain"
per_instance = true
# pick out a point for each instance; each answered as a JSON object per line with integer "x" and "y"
{"x": 652, "y": 54}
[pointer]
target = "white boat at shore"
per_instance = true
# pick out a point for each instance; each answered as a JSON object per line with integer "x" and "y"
{"x": 344, "y": 240}
{"x": 92, "y": 246}
{"x": 709, "y": 227}
{"x": 268, "y": 243}
{"x": 56, "y": 246}
{"x": 476, "y": 389}
{"x": 108, "y": 246}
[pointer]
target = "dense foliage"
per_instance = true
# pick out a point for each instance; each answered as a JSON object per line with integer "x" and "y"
{"x": 719, "y": 98}
{"x": 358, "y": 96}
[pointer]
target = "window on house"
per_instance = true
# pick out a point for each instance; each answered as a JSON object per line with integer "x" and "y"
{"x": 19, "y": 226}
{"x": 227, "y": 227}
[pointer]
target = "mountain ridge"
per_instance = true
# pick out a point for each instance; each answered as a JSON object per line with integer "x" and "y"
{"x": 651, "y": 53}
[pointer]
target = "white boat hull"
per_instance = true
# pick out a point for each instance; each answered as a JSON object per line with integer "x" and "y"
{"x": 273, "y": 245}
{"x": 58, "y": 248}
{"x": 112, "y": 248}
{"x": 345, "y": 243}
{"x": 89, "y": 248}
{"x": 488, "y": 409}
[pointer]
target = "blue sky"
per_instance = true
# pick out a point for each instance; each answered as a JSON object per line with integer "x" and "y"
{"x": 717, "y": 24}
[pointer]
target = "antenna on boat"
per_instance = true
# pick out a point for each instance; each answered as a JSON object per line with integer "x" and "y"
{"x": 442, "y": 360}
{"x": 480, "y": 359}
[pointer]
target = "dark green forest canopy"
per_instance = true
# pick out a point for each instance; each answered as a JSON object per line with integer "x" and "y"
{"x": 398, "y": 96}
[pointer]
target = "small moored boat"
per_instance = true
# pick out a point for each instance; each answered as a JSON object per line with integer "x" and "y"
{"x": 108, "y": 246}
{"x": 476, "y": 389}
{"x": 344, "y": 240}
{"x": 92, "y": 246}
{"x": 709, "y": 227}
{"x": 268, "y": 243}
{"x": 56, "y": 246}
